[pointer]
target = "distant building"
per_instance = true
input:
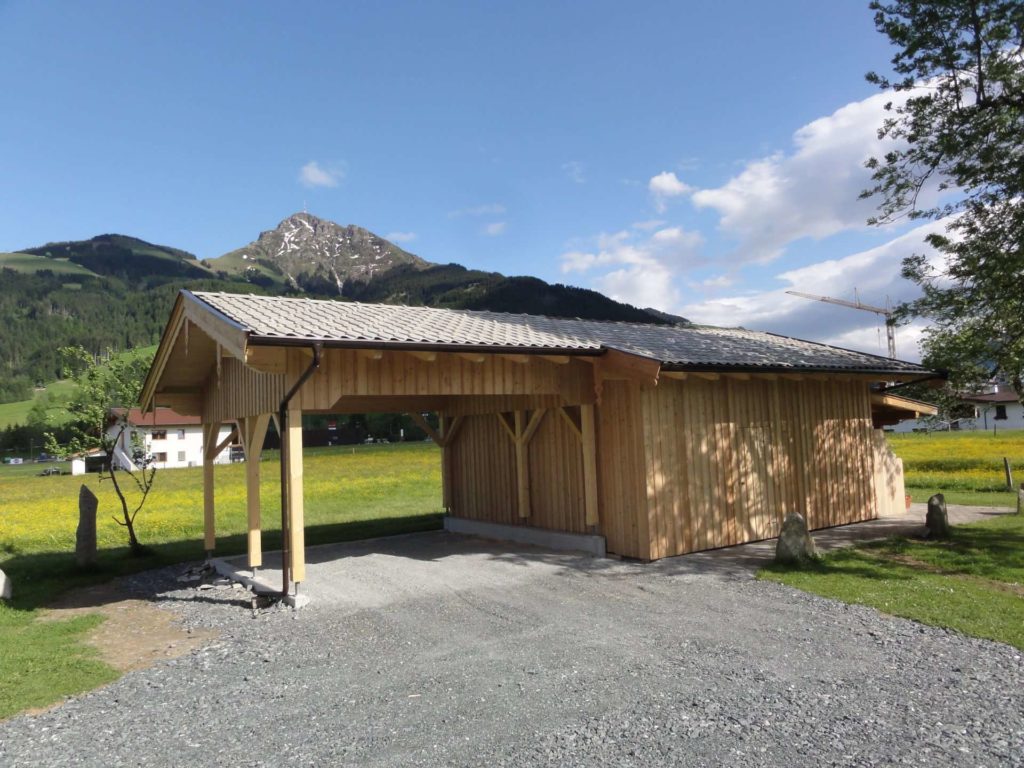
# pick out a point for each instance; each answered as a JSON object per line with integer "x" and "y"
{"x": 998, "y": 409}
{"x": 170, "y": 439}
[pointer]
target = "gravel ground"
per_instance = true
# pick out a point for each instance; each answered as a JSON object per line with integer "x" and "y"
{"x": 436, "y": 650}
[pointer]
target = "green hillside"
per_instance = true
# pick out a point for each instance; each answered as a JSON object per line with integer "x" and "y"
{"x": 52, "y": 397}
{"x": 127, "y": 258}
{"x": 28, "y": 262}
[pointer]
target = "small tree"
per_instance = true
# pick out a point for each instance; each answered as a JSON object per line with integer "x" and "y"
{"x": 94, "y": 426}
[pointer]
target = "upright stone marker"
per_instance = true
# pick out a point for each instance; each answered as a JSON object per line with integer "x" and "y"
{"x": 85, "y": 539}
{"x": 795, "y": 545}
{"x": 937, "y": 521}
{"x": 5, "y": 586}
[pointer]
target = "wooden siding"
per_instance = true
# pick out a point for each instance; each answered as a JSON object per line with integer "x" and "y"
{"x": 483, "y": 468}
{"x": 726, "y": 460}
{"x": 237, "y": 391}
{"x": 483, "y": 484}
{"x": 620, "y": 460}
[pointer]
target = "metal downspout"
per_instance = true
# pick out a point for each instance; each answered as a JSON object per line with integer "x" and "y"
{"x": 282, "y": 420}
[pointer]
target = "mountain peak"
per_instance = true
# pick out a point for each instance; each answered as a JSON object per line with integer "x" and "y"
{"x": 317, "y": 254}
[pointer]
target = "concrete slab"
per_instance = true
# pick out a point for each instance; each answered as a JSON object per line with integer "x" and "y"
{"x": 376, "y": 573}
{"x": 591, "y": 544}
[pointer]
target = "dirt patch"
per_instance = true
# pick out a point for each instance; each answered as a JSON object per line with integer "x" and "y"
{"x": 135, "y": 634}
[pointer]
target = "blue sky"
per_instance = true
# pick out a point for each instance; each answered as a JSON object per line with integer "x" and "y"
{"x": 700, "y": 158}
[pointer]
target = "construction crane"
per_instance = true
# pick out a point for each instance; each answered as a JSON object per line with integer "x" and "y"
{"x": 890, "y": 329}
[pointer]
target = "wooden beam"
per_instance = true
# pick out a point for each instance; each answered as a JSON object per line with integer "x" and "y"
{"x": 296, "y": 518}
{"x": 680, "y": 375}
{"x": 254, "y": 431}
{"x": 739, "y": 376}
{"x": 535, "y": 420}
{"x": 473, "y": 357}
{"x": 210, "y": 432}
{"x": 504, "y": 422}
{"x": 186, "y": 405}
{"x": 522, "y": 467}
{"x": 218, "y": 327}
{"x": 623, "y": 365}
{"x": 707, "y": 375}
{"x": 427, "y": 357}
{"x": 556, "y": 359}
{"x": 588, "y": 431}
{"x": 267, "y": 359}
{"x": 425, "y": 426}
{"x": 519, "y": 359}
{"x": 576, "y": 428}
{"x": 232, "y": 437}
{"x": 449, "y": 429}
{"x": 371, "y": 354}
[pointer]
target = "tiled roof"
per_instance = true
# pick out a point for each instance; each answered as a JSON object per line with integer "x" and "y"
{"x": 1002, "y": 396}
{"x": 158, "y": 417}
{"x": 276, "y": 318}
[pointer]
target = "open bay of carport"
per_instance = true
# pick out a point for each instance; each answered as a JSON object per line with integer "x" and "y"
{"x": 436, "y": 649}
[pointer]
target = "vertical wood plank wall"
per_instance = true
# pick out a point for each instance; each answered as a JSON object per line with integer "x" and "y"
{"x": 484, "y": 474}
{"x": 620, "y": 462}
{"x": 726, "y": 460}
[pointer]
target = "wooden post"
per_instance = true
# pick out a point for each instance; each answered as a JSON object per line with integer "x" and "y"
{"x": 588, "y": 433}
{"x": 444, "y": 439}
{"x": 1009, "y": 473}
{"x": 522, "y": 469}
{"x": 254, "y": 431}
{"x": 296, "y": 524}
{"x": 210, "y": 432}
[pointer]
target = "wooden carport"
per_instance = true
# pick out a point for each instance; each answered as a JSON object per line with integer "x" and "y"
{"x": 651, "y": 436}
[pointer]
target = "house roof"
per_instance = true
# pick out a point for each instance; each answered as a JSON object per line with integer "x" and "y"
{"x": 158, "y": 417}
{"x": 274, "y": 320}
{"x": 1005, "y": 396}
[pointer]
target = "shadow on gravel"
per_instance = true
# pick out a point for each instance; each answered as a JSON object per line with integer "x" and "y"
{"x": 42, "y": 579}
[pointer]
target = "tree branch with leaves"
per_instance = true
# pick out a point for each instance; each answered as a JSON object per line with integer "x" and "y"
{"x": 99, "y": 423}
{"x": 958, "y": 140}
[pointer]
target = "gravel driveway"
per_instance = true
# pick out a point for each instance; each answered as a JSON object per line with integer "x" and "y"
{"x": 437, "y": 650}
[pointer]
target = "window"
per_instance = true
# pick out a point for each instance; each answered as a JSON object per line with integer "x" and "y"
{"x": 1000, "y": 413}
{"x": 181, "y": 456}
{"x": 158, "y": 434}
{"x": 160, "y": 458}
{"x": 181, "y": 436}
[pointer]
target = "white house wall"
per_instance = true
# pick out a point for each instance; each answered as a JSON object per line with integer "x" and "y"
{"x": 182, "y": 446}
{"x": 985, "y": 420}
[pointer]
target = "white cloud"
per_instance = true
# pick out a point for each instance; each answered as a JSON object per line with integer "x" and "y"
{"x": 494, "y": 229}
{"x": 575, "y": 171}
{"x": 488, "y": 209}
{"x": 811, "y": 191}
{"x": 400, "y": 237}
{"x": 637, "y": 269}
{"x": 665, "y": 185}
{"x": 874, "y": 272}
{"x": 312, "y": 174}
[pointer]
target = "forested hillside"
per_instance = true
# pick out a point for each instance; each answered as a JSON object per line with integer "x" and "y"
{"x": 114, "y": 292}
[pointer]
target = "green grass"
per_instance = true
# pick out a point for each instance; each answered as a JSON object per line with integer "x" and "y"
{"x": 966, "y": 466}
{"x": 971, "y": 583}
{"x": 28, "y": 262}
{"x": 350, "y": 493}
{"x": 56, "y": 393}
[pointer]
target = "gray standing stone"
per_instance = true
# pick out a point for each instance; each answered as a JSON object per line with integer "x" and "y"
{"x": 937, "y": 521}
{"x": 5, "y": 586}
{"x": 85, "y": 539}
{"x": 795, "y": 544}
